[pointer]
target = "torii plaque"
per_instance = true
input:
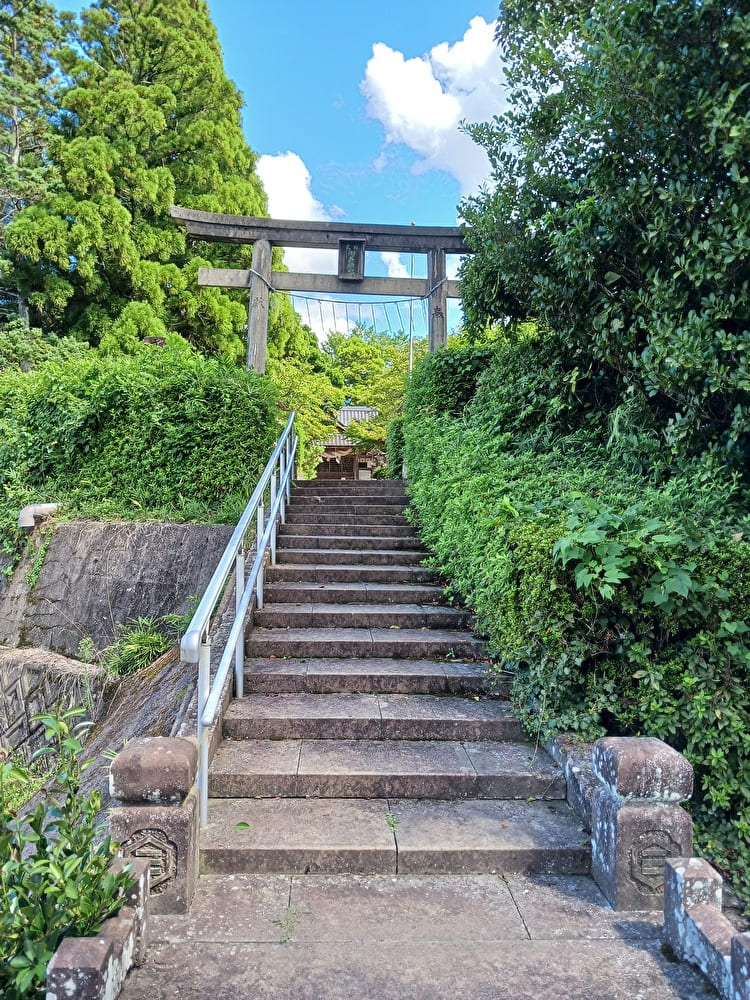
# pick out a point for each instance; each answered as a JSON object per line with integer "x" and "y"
{"x": 351, "y": 240}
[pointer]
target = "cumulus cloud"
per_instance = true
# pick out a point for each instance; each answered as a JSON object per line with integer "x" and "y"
{"x": 287, "y": 182}
{"x": 288, "y": 186}
{"x": 421, "y": 101}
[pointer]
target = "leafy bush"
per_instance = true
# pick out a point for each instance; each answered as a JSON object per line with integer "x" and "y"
{"x": 53, "y": 864}
{"x": 394, "y": 445}
{"x": 447, "y": 379}
{"x": 316, "y": 401}
{"x": 21, "y": 347}
{"x": 164, "y": 433}
{"x": 620, "y": 601}
{"x": 617, "y": 214}
{"x": 21, "y": 781}
{"x": 139, "y": 642}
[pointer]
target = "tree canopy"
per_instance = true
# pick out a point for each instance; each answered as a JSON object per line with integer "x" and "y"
{"x": 146, "y": 118}
{"x": 28, "y": 34}
{"x": 374, "y": 367}
{"x": 617, "y": 215}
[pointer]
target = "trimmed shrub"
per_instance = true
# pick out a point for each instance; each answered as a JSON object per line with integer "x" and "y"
{"x": 620, "y": 601}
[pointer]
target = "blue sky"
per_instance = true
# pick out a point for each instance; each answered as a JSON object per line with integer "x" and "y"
{"x": 353, "y": 108}
{"x": 301, "y": 67}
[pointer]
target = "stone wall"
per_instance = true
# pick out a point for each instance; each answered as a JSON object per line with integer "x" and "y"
{"x": 34, "y": 681}
{"x": 95, "y": 576}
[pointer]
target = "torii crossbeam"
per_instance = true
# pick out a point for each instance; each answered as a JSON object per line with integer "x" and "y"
{"x": 351, "y": 240}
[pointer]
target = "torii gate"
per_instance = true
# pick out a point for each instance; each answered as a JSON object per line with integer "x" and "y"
{"x": 351, "y": 241}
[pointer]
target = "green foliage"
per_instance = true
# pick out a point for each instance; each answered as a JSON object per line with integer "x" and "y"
{"x": 28, "y": 33}
{"x": 21, "y": 347}
{"x": 160, "y": 434}
{"x": 54, "y": 861}
{"x": 148, "y": 119}
{"x": 618, "y": 211}
{"x": 21, "y": 781}
{"x": 619, "y": 600}
{"x": 316, "y": 400}
{"x": 139, "y": 642}
{"x": 374, "y": 368}
{"x": 395, "y": 448}
{"x": 447, "y": 380}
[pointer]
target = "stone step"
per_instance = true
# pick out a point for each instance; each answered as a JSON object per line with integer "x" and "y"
{"x": 358, "y": 542}
{"x": 307, "y": 505}
{"x": 351, "y": 496}
{"x": 321, "y": 515}
{"x": 369, "y": 717}
{"x": 354, "y": 486}
{"x": 419, "y": 769}
{"x": 352, "y": 593}
{"x": 419, "y": 644}
{"x": 313, "y": 526}
{"x": 383, "y": 616}
{"x": 300, "y": 552}
{"x": 292, "y": 675}
{"x": 381, "y": 836}
{"x": 343, "y": 575}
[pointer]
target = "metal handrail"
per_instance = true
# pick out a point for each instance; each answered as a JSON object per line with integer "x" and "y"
{"x": 195, "y": 646}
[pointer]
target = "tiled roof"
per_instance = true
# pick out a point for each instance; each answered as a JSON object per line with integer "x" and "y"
{"x": 349, "y": 413}
{"x": 345, "y": 416}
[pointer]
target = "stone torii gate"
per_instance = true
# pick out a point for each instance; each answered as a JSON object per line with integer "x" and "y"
{"x": 351, "y": 241}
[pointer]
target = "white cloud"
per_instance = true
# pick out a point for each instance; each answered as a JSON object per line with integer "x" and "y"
{"x": 395, "y": 265}
{"x": 288, "y": 186}
{"x": 287, "y": 182}
{"x": 421, "y": 101}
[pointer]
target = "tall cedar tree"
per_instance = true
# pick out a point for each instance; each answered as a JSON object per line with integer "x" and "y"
{"x": 28, "y": 34}
{"x": 150, "y": 120}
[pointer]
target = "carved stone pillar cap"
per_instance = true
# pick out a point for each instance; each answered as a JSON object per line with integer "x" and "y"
{"x": 154, "y": 769}
{"x": 643, "y": 768}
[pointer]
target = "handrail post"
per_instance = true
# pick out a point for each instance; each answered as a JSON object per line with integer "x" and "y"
{"x": 258, "y": 536}
{"x": 272, "y": 505}
{"x": 282, "y": 470}
{"x": 204, "y": 687}
{"x": 239, "y": 651}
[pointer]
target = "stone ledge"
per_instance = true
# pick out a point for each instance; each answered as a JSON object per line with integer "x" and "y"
{"x": 94, "y": 968}
{"x": 698, "y": 932}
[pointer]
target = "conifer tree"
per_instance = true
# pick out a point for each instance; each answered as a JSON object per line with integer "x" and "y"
{"x": 149, "y": 120}
{"x": 28, "y": 34}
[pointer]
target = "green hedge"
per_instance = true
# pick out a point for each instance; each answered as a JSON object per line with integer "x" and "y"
{"x": 394, "y": 447}
{"x": 164, "y": 433}
{"x": 620, "y": 603}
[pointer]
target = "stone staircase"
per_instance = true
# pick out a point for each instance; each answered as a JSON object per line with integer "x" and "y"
{"x": 368, "y": 741}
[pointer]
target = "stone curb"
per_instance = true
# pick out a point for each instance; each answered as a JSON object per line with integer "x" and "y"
{"x": 698, "y": 932}
{"x": 94, "y": 968}
{"x": 574, "y": 760}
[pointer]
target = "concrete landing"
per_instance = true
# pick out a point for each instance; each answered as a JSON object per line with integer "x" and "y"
{"x": 400, "y": 937}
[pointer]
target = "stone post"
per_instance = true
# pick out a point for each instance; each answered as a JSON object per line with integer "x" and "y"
{"x": 154, "y": 780}
{"x": 637, "y": 821}
{"x": 741, "y": 966}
